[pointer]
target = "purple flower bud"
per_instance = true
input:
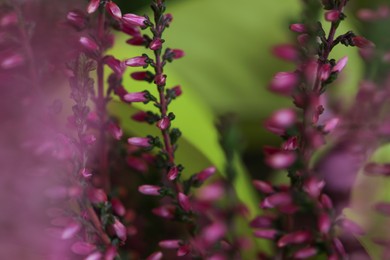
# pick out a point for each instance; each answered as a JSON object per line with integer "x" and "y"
{"x": 88, "y": 44}
{"x": 139, "y": 61}
{"x": 116, "y": 65}
{"x": 213, "y": 232}
{"x": 286, "y": 52}
{"x": 330, "y": 125}
{"x": 120, "y": 230}
{"x": 297, "y": 237}
{"x": 170, "y": 244}
{"x": 211, "y": 192}
{"x": 313, "y": 187}
{"x": 377, "y": 169}
{"x": 77, "y": 19}
{"x": 115, "y": 130}
{"x": 325, "y": 72}
{"x": 118, "y": 207}
{"x": 305, "y": 253}
{"x": 168, "y": 18}
{"x": 166, "y": 211}
{"x": 137, "y": 40}
{"x": 96, "y": 196}
{"x": 173, "y": 173}
{"x": 93, "y": 6}
{"x": 361, "y": 42}
{"x": 184, "y": 201}
{"x": 155, "y": 256}
{"x": 135, "y": 97}
{"x": 70, "y": 230}
{"x": 86, "y": 173}
{"x": 284, "y": 83}
{"x": 324, "y": 223}
{"x": 183, "y": 250}
{"x": 110, "y": 254}
{"x": 177, "y": 90}
{"x": 141, "y": 75}
{"x": 114, "y": 10}
{"x": 263, "y": 187}
{"x": 266, "y": 233}
{"x": 340, "y": 64}
{"x": 152, "y": 190}
{"x": 281, "y": 120}
{"x": 156, "y": 44}
{"x": 383, "y": 208}
{"x": 120, "y": 92}
{"x": 298, "y": 27}
{"x": 205, "y": 174}
{"x": 339, "y": 247}
{"x": 177, "y": 53}
{"x": 160, "y": 80}
{"x": 163, "y": 123}
{"x": 352, "y": 227}
{"x": 141, "y": 116}
{"x": 332, "y": 15}
{"x": 135, "y": 20}
{"x": 291, "y": 144}
{"x": 94, "y": 256}
{"x": 280, "y": 160}
{"x": 326, "y": 202}
{"x": 11, "y": 60}
{"x": 261, "y": 222}
{"x": 82, "y": 248}
{"x": 276, "y": 200}
{"x": 139, "y": 141}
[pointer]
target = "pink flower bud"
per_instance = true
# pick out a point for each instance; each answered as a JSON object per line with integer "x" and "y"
{"x": 298, "y": 27}
{"x": 286, "y": 52}
{"x": 152, "y": 190}
{"x": 361, "y": 42}
{"x": 88, "y": 44}
{"x": 297, "y": 237}
{"x": 177, "y": 53}
{"x": 139, "y": 141}
{"x": 96, "y": 196}
{"x": 339, "y": 247}
{"x": 352, "y": 227}
{"x": 281, "y": 160}
{"x": 155, "y": 256}
{"x": 115, "y": 130}
{"x": 211, "y": 192}
{"x": 377, "y": 169}
{"x": 263, "y": 187}
{"x": 183, "y": 250}
{"x": 120, "y": 230}
{"x": 140, "y": 116}
{"x": 163, "y": 123}
{"x": 326, "y": 202}
{"x": 276, "y": 200}
{"x": 177, "y": 90}
{"x": 116, "y": 65}
{"x": 135, "y": 97}
{"x": 137, "y": 164}
{"x": 137, "y": 40}
{"x": 94, "y": 256}
{"x": 111, "y": 253}
{"x": 170, "y": 244}
{"x": 93, "y": 6}
{"x": 324, "y": 223}
{"x": 332, "y": 15}
{"x": 82, "y": 248}
{"x": 261, "y": 222}
{"x": 205, "y": 174}
{"x": 77, "y": 19}
{"x": 139, "y": 61}
{"x": 86, "y": 173}
{"x": 141, "y": 75}
{"x": 114, "y": 10}
{"x": 166, "y": 211}
{"x": 340, "y": 64}
{"x": 118, "y": 207}
{"x": 135, "y": 20}
{"x": 305, "y": 253}
{"x": 156, "y": 44}
{"x": 280, "y": 121}
{"x": 213, "y": 232}
{"x": 11, "y": 60}
{"x": 313, "y": 187}
{"x": 160, "y": 80}
{"x": 173, "y": 173}
{"x": 291, "y": 144}
{"x": 184, "y": 201}
{"x": 284, "y": 83}
{"x": 330, "y": 125}
{"x": 325, "y": 72}
{"x": 266, "y": 233}
{"x": 70, "y": 230}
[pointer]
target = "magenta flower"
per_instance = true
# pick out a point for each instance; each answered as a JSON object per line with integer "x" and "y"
{"x": 11, "y": 60}
{"x": 139, "y": 141}
{"x": 286, "y": 52}
{"x": 205, "y": 174}
{"x": 276, "y": 200}
{"x": 324, "y": 223}
{"x": 160, "y": 80}
{"x": 139, "y": 61}
{"x": 166, "y": 211}
{"x": 135, "y": 97}
{"x": 88, "y": 43}
{"x": 82, "y": 248}
{"x": 114, "y": 10}
{"x": 284, "y": 83}
{"x": 262, "y": 222}
{"x": 266, "y": 233}
{"x": 115, "y": 130}
{"x": 213, "y": 232}
{"x": 332, "y": 15}
{"x": 156, "y": 44}
{"x": 184, "y": 201}
{"x": 163, "y": 123}
{"x": 280, "y": 160}
{"x": 263, "y": 187}
{"x": 140, "y": 116}
{"x": 298, "y": 27}
{"x": 297, "y": 237}
{"x": 340, "y": 64}
{"x": 93, "y": 6}
{"x": 177, "y": 53}
{"x": 173, "y": 173}
{"x": 170, "y": 244}
{"x": 152, "y": 190}
{"x": 94, "y": 256}
{"x": 177, "y": 90}
{"x": 134, "y": 20}
{"x": 71, "y": 230}
{"x": 330, "y": 125}
{"x": 361, "y": 42}
{"x": 77, "y": 19}
{"x": 141, "y": 75}
{"x": 116, "y": 65}
{"x": 120, "y": 230}
{"x": 137, "y": 40}
{"x": 305, "y": 253}
{"x": 96, "y": 196}
{"x": 86, "y": 173}
{"x": 155, "y": 256}
{"x": 313, "y": 187}
{"x": 118, "y": 207}
{"x": 281, "y": 120}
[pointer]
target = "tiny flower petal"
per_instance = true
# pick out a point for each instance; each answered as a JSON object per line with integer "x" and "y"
{"x": 184, "y": 201}
{"x": 118, "y": 207}
{"x": 170, "y": 244}
{"x": 266, "y": 233}
{"x": 160, "y": 80}
{"x": 156, "y": 44}
{"x": 142, "y": 75}
{"x": 324, "y": 223}
{"x": 120, "y": 230}
{"x": 280, "y": 121}
{"x": 305, "y": 253}
{"x": 340, "y": 64}
{"x": 88, "y": 43}
{"x": 163, "y": 123}
{"x": 96, "y": 196}
{"x": 183, "y": 250}
{"x": 137, "y": 164}
{"x": 297, "y": 237}
{"x": 263, "y": 187}
{"x": 114, "y": 10}
{"x": 155, "y": 256}
{"x": 276, "y": 200}
{"x": 173, "y": 173}
{"x": 93, "y": 6}
{"x": 213, "y": 232}
{"x": 133, "y": 19}
{"x": 313, "y": 187}
{"x": 166, "y": 211}
{"x": 284, "y": 83}
{"x": 361, "y": 42}
{"x": 139, "y": 141}
{"x": 261, "y": 222}
{"x": 150, "y": 190}
{"x": 139, "y": 61}
{"x": 177, "y": 53}
{"x": 115, "y": 130}
{"x": 298, "y": 27}
{"x": 205, "y": 174}
{"x": 177, "y": 90}
{"x": 135, "y": 97}
{"x": 70, "y": 230}
{"x": 86, "y": 173}
{"x": 281, "y": 160}
{"x": 141, "y": 116}
{"x": 331, "y": 125}
{"x": 332, "y": 15}
{"x": 116, "y": 65}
